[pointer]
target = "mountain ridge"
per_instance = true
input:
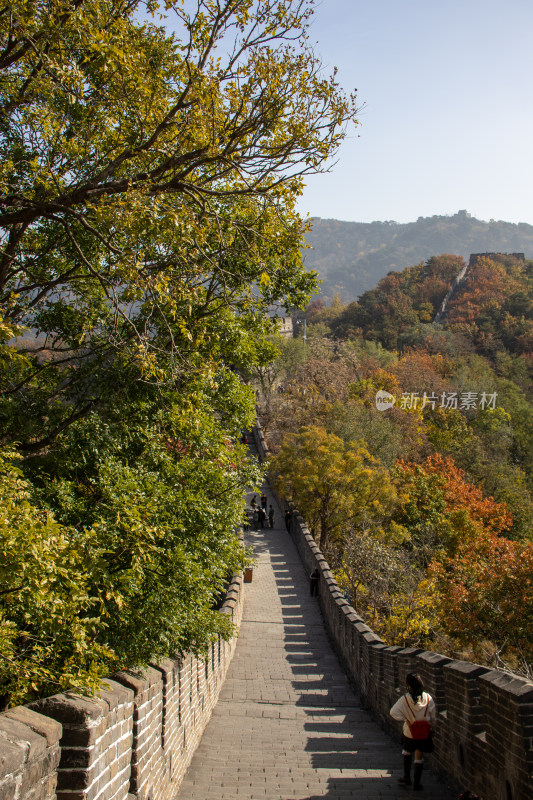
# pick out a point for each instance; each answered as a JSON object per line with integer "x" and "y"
{"x": 351, "y": 257}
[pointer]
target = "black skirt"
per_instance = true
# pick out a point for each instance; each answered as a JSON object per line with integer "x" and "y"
{"x": 424, "y": 745}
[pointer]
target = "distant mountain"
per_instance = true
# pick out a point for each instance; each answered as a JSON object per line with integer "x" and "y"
{"x": 351, "y": 257}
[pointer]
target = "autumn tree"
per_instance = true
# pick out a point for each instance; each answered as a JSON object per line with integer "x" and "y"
{"x": 440, "y": 521}
{"x": 332, "y": 483}
{"x": 447, "y": 562}
{"x": 147, "y": 221}
{"x": 400, "y": 301}
{"x": 439, "y": 508}
{"x": 487, "y": 600}
{"x": 368, "y": 571}
{"x": 148, "y": 183}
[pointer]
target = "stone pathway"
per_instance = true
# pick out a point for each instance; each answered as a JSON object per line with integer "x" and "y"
{"x": 287, "y": 724}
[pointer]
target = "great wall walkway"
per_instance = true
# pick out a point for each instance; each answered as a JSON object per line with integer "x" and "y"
{"x": 287, "y": 724}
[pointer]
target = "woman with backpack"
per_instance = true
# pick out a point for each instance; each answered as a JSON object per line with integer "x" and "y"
{"x": 418, "y": 713}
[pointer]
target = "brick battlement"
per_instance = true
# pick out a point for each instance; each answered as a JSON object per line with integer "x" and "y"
{"x": 134, "y": 739}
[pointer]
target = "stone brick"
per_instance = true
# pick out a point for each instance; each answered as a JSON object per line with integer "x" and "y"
{"x": 75, "y": 778}
{"x": 71, "y": 795}
{"x": 18, "y": 733}
{"x": 8, "y": 789}
{"x": 33, "y": 775}
{"x": 42, "y": 725}
{"x": 71, "y": 708}
{"x": 115, "y": 694}
{"x": 12, "y": 757}
{"x": 79, "y": 758}
{"x": 83, "y": 735}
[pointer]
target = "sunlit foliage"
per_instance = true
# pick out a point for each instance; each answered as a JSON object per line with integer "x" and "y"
{"x": 148, "y": 182}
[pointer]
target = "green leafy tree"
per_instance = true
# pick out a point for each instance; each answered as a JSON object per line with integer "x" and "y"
{"x": 49, "y": 618}
{"x": 148, "y": 183}
{"x": 147, "y": 222}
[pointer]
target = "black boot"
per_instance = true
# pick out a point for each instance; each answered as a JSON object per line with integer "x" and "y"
{"x": 417, "y": 786}
{"x": 406, "y": 780}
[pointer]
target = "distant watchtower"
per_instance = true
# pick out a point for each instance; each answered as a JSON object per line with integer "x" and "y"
{"x": 285, "y": 327}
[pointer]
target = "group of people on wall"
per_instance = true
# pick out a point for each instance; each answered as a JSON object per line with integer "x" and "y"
{"x": 259, "y": 513}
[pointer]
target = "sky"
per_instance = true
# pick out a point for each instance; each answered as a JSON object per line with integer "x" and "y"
{"x": 446, "y": 121}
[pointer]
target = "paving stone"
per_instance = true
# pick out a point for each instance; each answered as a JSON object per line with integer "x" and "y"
{"x": 287, "y": 725}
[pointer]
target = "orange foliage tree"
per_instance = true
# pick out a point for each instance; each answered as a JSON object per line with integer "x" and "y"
{"x": 439, "y": 509}
{"x": 459, "y": 493}
{"x": 488, "y": 284}
{"x": 486, "y": 594}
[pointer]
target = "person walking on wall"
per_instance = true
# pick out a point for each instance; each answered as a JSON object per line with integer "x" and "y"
{"x": 264, "y": 502}
{"x": 313, "y": 582}
{"x": 288, "y": 521}
{"x": 416, "y": 709}
{"x": 262, "y": 516}
{"x": 271, "y": 516}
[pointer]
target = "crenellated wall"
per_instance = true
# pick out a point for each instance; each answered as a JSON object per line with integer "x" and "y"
{"x": 484, "y": 735}
{"x": 134, "y": 739}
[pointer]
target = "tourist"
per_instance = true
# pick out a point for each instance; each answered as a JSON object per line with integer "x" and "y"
{"x": 288, "y": 521}
{"x": 264, "y": 502}
{"x": 262, "y": 516}
{"x": 313, "y": 582}
{"x": 417, "y": 711}
{"x": 271, "y": 516}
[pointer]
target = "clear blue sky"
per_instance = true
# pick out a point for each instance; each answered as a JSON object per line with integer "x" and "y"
{"x": 447, "y": 123}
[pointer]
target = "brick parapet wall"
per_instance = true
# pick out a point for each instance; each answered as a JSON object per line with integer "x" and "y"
{"x": 29, "y": 755}
{"x": 135, "y": 738}
{"x": 484, "y": 734}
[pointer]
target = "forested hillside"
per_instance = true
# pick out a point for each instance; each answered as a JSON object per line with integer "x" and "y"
{"x": 352, "y": 256}
{"x": 407, "y": 446}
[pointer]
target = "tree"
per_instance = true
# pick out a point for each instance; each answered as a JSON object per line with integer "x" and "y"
{"x": 448, "y": 564}
{"x": 148, "y": 507}
{"x": 390, "y": 592}
{"x": 148, "y": 183}
{"x": 440, "y": 509}
{"x": 49, "y": 620}
{"x": 332, "y": 483}
{"x": 487, "y": 600}
{"x": 400, "y": 302}
{"x": 369, "y": 568}
{"x": 147, "y": 191}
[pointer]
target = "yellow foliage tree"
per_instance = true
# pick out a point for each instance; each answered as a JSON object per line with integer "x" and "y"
{"x": 332, "y": 483}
